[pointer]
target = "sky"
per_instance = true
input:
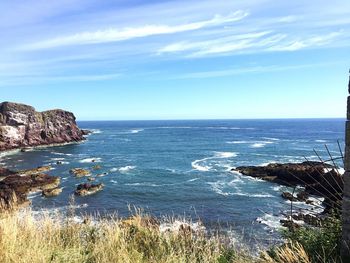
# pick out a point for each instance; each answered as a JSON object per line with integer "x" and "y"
{"x": 140, "y": 60}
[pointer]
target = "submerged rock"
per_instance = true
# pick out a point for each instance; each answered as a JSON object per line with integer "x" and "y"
{"x": 96, "y": 167}
{"x": 52, "y": 192}
{"x": 80, "y": 172}
{"x": 21, "y": 126}
{"x": 88, "y": 189}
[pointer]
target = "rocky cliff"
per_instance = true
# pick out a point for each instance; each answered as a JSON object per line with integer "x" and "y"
{"x": 22, "y": 126}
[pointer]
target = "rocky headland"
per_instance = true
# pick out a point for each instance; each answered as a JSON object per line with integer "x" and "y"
{"x": 317, "y": 178}
{"x": 22, "y": 126}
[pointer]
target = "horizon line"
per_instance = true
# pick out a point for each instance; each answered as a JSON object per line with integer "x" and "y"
{"x": 221, "y": 119}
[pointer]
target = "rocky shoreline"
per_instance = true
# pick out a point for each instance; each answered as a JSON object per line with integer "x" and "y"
{"x": 316, "y": 178}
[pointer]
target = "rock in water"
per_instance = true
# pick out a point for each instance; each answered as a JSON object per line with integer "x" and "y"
{"x": 21, "y": 126}
{"x": 15, "y": 187}
{"x": 79, "y": 172}
{"x": 88, "y": 189}
{"x": 52, "y": 192}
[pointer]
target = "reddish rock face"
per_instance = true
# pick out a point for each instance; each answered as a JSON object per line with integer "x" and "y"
{"x": 22, "y": 126}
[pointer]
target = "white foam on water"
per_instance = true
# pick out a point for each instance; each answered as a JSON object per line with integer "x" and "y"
{"x": 238, "y": 142}
{"x": 277, "y": 188}
{"x": 225, "y": 154}
{"x": 126, "y": 169}
{"x": 133, "y": 131}
{"x": 91, "y": 160}
{"x": 271, "y": 221}
{"x": 267, "y": 163}
{"x": 95, "y": 131}
{"x": 114, "y": 181}
{"x": 260, "y": 144}
{"x": 177, "y": 225}
{"x": 200, "y": 166}
{"x": 192, "y": 180}
{"x": 216, "y": 187}
{"x": 271, "y": 139}
{"x": 321, "y": 141}
{"x": 57, "y": 159}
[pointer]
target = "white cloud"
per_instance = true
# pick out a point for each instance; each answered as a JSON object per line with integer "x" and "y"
{"x": 246, "y": 70}
{"x": 115, "y": 35}
{"x": 255, "y": 42}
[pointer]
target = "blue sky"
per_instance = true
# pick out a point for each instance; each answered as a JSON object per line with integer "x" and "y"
{"x": 188, "y": 59}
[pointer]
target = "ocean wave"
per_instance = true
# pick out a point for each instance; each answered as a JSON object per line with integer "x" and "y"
{"x": 133, "y": 131}
{"x": 91, "y": 160}
{"x": 59, "y": 153}
{"x": 57, "y": 159}
{"x": 260, "y": 144}
{"x": 264, "y": 195}
{"x": 192, "y": 180}
{"x": 238, "y": 142}
{"x": 200, "y": 166}
{"x": 271, "y": 138}
{"x": 95, "y": 131}
{"x": 271, "y": 221}
{"x": 321, "y": 141}
{"x": 124, "y": 169}
{"x": 277, "y": 188}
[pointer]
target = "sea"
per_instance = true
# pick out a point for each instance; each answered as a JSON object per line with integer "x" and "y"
{"x": 183, "y": 169}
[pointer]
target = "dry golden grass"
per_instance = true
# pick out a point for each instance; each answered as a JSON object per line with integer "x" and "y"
{"x": 26, "y": 239}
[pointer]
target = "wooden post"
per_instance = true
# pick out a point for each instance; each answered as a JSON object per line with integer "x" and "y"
{"x": 345, "y": 248}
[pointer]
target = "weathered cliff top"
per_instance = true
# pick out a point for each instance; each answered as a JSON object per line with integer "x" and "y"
{"x": 22, "y": 126}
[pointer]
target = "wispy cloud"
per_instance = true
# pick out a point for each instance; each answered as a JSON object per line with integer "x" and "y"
{"x": 247, "y": 70}
{"x": 249, "y": 43}
{"x": 23, "y": 80}
{"x": 115, "y": 34}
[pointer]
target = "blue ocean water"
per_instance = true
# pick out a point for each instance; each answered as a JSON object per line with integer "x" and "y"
{"x": 182, "y": 168}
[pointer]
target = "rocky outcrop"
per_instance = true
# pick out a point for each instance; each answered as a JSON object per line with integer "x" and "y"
{"x": 318, "y": 179}
{"x": 21, "y": 126}
{"x": 88, "y": 189}
{"x": 80, "y": 172}
{"x": 15, "y": 187}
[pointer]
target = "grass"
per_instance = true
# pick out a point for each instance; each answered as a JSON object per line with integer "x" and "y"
{"x": 28, "y": 239}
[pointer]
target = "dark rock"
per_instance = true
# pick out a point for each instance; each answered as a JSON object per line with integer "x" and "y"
{"x": 308, "y": 219}
{"x": 289, "y": 196}
{"x": 287, "y": 174}
{"x": 22, "y": 126}
{"x": 88, "y": 189}
{"x": 302, "y": 196}
{"x": 318, "y": 179}
{"x": 86, "y": 132}
{"x": 80, "y": 172}
{"x": 290, "y": 224}
{"x": 15, "y": 187}
{"x": 5, "y": 172}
